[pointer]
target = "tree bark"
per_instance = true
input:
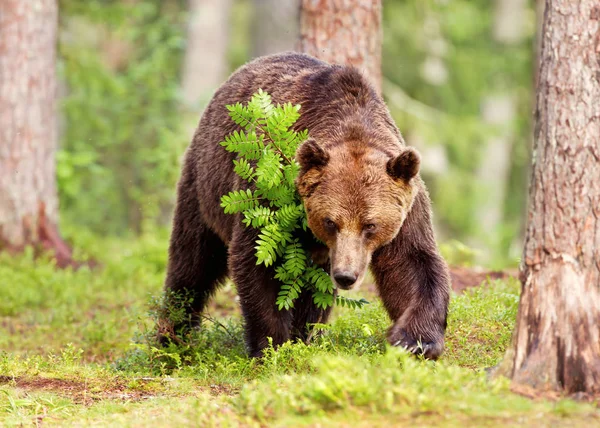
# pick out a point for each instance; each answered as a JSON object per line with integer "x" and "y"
{"x": 344, "y": 32}
{"x": 28, "y": 127}
{"x": 557, "y": 339}
{"x": 205, "y": 60}
{"x": 275, "y": 26}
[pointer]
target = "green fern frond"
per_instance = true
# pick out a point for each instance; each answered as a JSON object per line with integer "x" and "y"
{"x": 290, "y": 172}
{"x": 233, "y": 141}
{"x": 350, "y": 303}
{"x": 279, "y": 196}
{"x": 288, "y": 293}
{"x": 289, "y": 215}
{"x": 238, "y": 201}
{"x": 278, "y": 123}
{"x": 295, "y": 259}
{"x": 260, "y": 106}
{"x": 320, "y": 279}
{"x": 269, "y": 172}
{"x": 322, "y": 300}
{"x": 241, "y": 116}
{"x": 243, "y": 168}
{"x": 258, "y": 217}
{"x": 247, "y": 145}
{"x": 271, "y": 244}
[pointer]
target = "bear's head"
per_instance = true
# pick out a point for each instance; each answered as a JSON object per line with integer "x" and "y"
{"x": 356, "y": 199}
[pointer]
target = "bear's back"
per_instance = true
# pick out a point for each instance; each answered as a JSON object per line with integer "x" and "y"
{"x": 278, "y": 74}
{"x": 331, "y": 96}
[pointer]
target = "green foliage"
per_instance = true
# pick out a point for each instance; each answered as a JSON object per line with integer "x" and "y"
{"x": 458, "y": 254}
{"x": 122, "y": 138}
{"x": 347, "y": 374}
{"x": 481, "y": 322}
{"x": 96, "y": 310}
{"x": 455, "y": 42}
{"x": 266, "y": 146}
{"x": 350, "y": 303}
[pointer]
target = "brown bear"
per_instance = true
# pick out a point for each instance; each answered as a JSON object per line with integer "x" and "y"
{"x": 363, "y": 196}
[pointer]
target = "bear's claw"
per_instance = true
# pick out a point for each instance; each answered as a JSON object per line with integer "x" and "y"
{"x": 429, "y": 349}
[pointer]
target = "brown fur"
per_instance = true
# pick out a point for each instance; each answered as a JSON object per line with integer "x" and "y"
{"x": 363, "y": 196}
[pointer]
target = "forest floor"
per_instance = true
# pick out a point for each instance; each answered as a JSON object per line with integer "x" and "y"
{"x": 73, "y": 352}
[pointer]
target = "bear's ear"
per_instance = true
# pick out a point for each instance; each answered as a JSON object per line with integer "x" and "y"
{"x": 405, "y": 166}
{"x": 310, "y": 156}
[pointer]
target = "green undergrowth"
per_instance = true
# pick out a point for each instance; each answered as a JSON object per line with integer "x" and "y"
{"x": 74, "y": 349}
{"x": 96, "y": 309}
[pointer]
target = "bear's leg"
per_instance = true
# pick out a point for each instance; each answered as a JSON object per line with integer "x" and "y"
{"x": 414, "y": 284}
{"x": 257, "y": 290}
{"x": 306, "y": 313}
{"x": 197, "y": 262}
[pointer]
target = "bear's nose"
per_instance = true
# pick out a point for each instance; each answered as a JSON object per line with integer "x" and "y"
{"x": 344, "y": 279}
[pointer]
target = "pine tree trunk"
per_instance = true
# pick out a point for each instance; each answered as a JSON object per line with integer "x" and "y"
{"x": 344, "y": 32}
{"x": 557, "y": 340}
{"x": 28, "y": 127}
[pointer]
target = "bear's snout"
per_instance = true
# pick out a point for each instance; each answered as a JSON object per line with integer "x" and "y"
{"x": 349, "y": 260}
{"x": 345, "y": 279}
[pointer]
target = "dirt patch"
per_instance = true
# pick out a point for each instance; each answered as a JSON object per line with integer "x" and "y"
{"x": 44, "y": 384}
{"x": 80, "y": 392}
{"x": 464, "y": 277}
{"x": 223, "y": 390}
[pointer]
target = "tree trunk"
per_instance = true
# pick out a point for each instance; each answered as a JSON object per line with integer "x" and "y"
{"x": 275, "y": 26}
{"x": 28, "y": 127}
{"x": 557, "y": 340}
{"x": 205, "y": 60}
{"x": 344, "y": 32}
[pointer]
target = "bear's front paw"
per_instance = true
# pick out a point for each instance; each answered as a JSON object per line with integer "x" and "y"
{"x": 430, "y": 349}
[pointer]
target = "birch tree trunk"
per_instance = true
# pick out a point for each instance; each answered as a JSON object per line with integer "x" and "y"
{"x": 344, "y": 32}
{"x": 275, "y": 26}
{"x": 557, "y": 339}
{"x": 205, "y": 60}
{"x": 28, "y": 127}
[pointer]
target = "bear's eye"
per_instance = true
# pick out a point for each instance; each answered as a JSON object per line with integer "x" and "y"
{"x": 370, "y": 228}
{"x": 330, "y": 224}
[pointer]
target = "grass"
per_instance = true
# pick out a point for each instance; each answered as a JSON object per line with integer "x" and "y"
{"x": 73, "y": 352}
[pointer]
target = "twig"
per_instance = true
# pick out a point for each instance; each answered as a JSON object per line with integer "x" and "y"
{"x": 211, "y": 319}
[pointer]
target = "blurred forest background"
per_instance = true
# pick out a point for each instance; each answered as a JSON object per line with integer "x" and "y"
{"x": 458, "y": 76}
